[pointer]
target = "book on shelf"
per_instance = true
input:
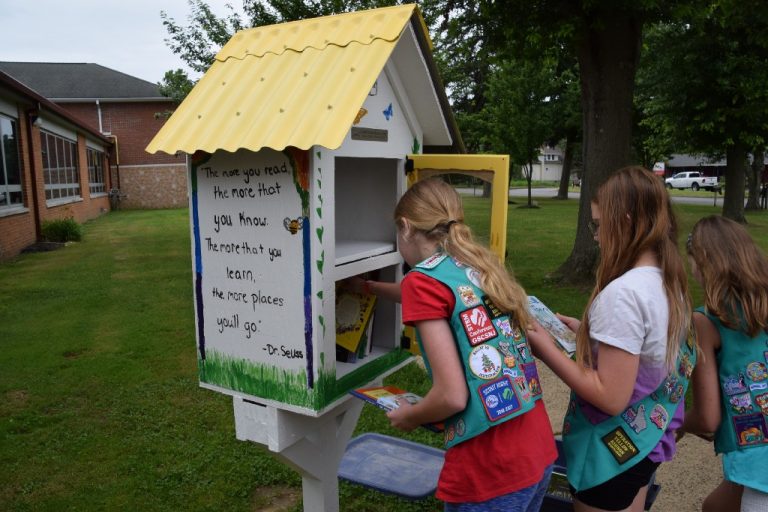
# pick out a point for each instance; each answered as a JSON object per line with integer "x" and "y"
{"x": 354, "y": 323}
{"x": 388, "y": 397}
{"x": 563, "y": 336}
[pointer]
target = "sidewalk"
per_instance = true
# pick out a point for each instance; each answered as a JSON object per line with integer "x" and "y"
{"x": 685, "y": 481}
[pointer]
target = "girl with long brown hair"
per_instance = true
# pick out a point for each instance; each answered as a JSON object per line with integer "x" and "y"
{"x": 730, "y": 383}
{"x": 631, "y": 363}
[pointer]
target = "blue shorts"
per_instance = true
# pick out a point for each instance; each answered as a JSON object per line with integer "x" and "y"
{"x": 524, "y": 500}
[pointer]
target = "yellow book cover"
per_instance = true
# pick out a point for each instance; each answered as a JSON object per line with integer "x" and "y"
{"x": 353, "y": 314}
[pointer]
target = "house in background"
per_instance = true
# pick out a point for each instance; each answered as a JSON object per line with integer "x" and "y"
{"x": 52, "y": 166}
{"x": 549, "y": 166}
{"x": 122, "y": 108}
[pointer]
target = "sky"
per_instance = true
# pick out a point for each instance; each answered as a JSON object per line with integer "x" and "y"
{"x": 124, "y": 35}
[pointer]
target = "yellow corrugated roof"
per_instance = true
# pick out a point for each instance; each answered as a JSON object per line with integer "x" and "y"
{"x": 293, "y": 84}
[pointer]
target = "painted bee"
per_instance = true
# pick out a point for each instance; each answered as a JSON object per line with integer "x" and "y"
{"x": 293, "y": 225}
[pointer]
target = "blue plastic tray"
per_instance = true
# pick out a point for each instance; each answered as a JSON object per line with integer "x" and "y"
{"x": 392, "y": 465}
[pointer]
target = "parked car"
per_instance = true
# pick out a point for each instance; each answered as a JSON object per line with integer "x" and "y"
{"x": 693, "y": 180}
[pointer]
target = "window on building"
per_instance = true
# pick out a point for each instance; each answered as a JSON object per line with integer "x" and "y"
{"x": 95, "y": 171}
{"x": 60, "y": 172}
{"x": 10, "y": 169}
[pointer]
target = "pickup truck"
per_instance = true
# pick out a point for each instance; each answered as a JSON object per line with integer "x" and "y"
{"x": 693, "y": 180}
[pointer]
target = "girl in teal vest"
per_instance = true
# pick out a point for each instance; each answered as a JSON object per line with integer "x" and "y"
{"x": 470, "y": 317}
{"x": 730, "y": 384}
{"x": 632, "y": 360}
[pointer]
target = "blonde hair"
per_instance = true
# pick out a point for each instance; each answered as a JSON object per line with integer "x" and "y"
{"x": 636, "y": 215}
{"x": 433, "y": 208}
{"x": 734, "y": 273}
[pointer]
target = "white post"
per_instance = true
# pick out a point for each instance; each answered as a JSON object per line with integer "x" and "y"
{"x": 313, "y": 446}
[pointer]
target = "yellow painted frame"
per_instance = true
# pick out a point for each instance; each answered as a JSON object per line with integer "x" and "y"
{"x": 493, "y": 169}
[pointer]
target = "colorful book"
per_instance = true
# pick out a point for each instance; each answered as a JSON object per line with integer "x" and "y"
{"x": 564, "y": 337}
{"x": 354, "y": 314}
{"x": 388, "y": 397}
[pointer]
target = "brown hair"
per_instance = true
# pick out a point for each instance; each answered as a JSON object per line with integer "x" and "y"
{"x": 734, "y": 273}
{"x": 636, "y": 215}
{"x": 434, "y": 208}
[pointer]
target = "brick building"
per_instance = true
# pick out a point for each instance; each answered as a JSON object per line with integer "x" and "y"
{"x": 52, "y": 166}
{"x": 124, "y": 109}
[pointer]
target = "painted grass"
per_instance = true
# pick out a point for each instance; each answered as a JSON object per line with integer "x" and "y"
{"x": 101, "y": 408}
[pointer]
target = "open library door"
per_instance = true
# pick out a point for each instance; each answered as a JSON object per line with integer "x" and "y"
{"x": 493, "y": 169}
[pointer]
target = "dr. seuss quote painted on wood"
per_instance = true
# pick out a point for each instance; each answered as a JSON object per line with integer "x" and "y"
{"x": 252, "y": 251}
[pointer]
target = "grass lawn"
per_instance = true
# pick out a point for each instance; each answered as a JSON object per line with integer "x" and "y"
{"x": 100, "y": 405}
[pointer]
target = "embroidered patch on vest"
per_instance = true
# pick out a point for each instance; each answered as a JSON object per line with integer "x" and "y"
{"x": 741, "y": 404}
{"x": 757, "y": 371}
{"x": 659, "y": 416}
{"x": 762, "y": 401}
{"x": 477, "y": 325}
{"x": 485, "y": 362}
{"x": 734, "y": 384}
{"x": 620, "y": 445}
{"x": 504, "y": 326}
{"x": 432, "y": 261}
{"x": 473, "y": 276}
{"x": 750, "y": 429}
{"x": 491, "y": 307}
{"x": 509, "y": 358}
{"x": 522, "y": 388}
{"x": 677, "y": 394}
{"x": 532, "y": 376}
{"x": 499, "y": 398}
{"x": 635, "y": 418}
{"x": 468, "y": 296}
{"x": 686, "y": 366}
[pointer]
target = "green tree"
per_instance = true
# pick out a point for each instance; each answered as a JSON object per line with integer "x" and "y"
{"x": 702, "y": 86}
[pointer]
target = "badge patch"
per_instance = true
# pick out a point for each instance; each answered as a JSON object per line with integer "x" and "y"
{"x": 504, "y": 326}
{"x": 510, "y": 372}
{"x": 635, "y": 418}
{"x": 758, "y": 386}
{"x": 669, "y": 384}
{"x": 499, "y": 398}
{"x": 762, "y": 401}
{"x": 757, "y": 371}
{"x": 750, "y": 429}
{"x": 450, "y": 433}
{"x": 741, "y": 404}
{"x": 522, "y": 350}
{"x": 517, "y": 334}
{"x": 485, "y": 362}
{"x": 473, "y": 276}
{"x": 686, "y": 367}
{"x": 509, "y": 358}
{"x": 659, "y": 416}
{"x": 491, "y": 307}
{"x": 532, "y": 376}
{"x": 522, "y": 388}
{"x": 468, "y": 296}
{"x": 677, "y": 394}
{"x": 477, "y": 325}
{"x": 734, "y": 384}
{"x": 461, "y": 428}
{"x": 432, "y": 261}
{"x": 620, "y": 445}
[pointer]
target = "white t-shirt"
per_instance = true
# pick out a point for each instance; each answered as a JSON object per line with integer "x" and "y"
{"x": 632, "y": 314}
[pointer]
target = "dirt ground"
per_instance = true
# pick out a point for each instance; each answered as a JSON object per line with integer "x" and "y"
{"x": 685, "y": 481}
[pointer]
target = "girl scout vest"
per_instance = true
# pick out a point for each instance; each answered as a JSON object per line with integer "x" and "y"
{"x": 498, "y": 366}
{"x": 741, "y": 364}
{"x": 595, "y": 453}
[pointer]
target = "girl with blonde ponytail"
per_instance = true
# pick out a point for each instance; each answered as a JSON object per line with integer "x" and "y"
{"x": 634, "y": 356}
{"x": 470, "y": 316}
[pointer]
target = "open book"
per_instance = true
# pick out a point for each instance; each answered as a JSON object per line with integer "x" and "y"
{"x": 387, "y": 397}
{"x": 564, "y": 337}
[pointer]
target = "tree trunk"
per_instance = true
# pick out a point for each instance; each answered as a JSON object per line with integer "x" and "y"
{"x": 608, "y": 54}
{"x": 733, "y": 200}
{"x": 565, "y": 177}
{"x": 529, "y": 177}
{"x": 754, "y": 175}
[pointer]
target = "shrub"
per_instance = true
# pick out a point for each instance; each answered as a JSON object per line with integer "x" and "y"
{"x": 61, "y": 230}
